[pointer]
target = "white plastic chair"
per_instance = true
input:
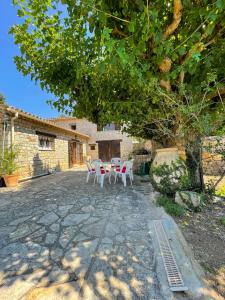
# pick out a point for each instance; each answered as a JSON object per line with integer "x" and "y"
{"x": 100, "y": 173}
{"x": 91, "y": 170}
{"x": 124, "y": 171}
{"x": 116, "y": 161}
{"x": 130, "y": 166}
{"x": 96, "y": 160}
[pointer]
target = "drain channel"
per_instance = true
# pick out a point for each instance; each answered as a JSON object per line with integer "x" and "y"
{"x": 173, "y": 274}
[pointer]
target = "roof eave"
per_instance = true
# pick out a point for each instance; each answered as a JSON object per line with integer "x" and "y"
{"x": 42, "y": 121}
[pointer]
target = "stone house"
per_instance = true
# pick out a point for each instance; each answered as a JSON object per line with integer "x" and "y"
{"x": 104, "y": 143}
{"x": 44, "y": 147}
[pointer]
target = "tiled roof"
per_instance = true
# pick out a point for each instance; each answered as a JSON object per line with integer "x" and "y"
{"x": 61, "y": 118}
{"x": 49, "y": 122}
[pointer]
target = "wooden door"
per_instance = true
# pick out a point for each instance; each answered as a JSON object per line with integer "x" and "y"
{"x": 81, "y": 153}
{"x": 73, "y": 153}
{"x": 108, "y": 149}
{"x": 115, "y": 149}
{"x": 103, "y": 151}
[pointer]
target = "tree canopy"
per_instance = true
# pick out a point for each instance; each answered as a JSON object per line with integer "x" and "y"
{"x": 157, "y": 66}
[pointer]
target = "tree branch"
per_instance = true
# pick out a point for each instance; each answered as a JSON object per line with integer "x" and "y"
{"x": 177, "y": 14}
{"x": 199, "y": 47}
{"x": 166, "y": 64}
{"x": 116, "y": 31}
{"x": 165, "y": 84}
{"x": 218, "y": 92}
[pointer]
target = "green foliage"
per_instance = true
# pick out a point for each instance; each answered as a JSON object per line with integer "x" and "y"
{"x": 220, "y": 192}
{"x": 222, "y": 221}
{"x": 170, "y": 178}
{"x": 8, "y": 162}
{"x": 101, "y": 60}
{"x": 2, "y": 99}
{"x": 170, "y": 206}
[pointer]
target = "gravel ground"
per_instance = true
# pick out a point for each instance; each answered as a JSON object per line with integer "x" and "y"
{"x": 206, "y": 235}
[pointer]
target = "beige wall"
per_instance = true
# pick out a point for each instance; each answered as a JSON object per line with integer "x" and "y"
{"x": 33, "y": 161}
{"x": 86, "y": 127}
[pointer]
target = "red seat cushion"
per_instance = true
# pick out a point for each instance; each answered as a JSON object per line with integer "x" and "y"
{"x": 104, "y": 171}
{"x": 123, "y": 169}
{"x": 117, "y": 169}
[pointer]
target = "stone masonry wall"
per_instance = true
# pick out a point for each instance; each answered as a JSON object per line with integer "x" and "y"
{"x": 212, "y": 160}
{"x": 86, "y": 127}
{"x": 31, "y": 160}
{"x": 1, "y": 131}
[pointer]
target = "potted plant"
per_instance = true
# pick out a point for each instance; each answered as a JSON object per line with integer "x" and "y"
{"x": 8, "y": 166}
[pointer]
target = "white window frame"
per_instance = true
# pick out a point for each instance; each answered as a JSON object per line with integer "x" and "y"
{"x": 49, "y": 143}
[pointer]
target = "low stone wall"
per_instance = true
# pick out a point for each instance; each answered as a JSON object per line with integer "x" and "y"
{"x": 212, "y": 160}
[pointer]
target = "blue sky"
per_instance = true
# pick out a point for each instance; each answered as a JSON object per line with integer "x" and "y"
{"x": 19, "y": 91}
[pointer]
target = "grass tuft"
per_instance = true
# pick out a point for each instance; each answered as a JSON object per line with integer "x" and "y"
{"x": 170, "y": 206}
{"x": 222, "y": 221}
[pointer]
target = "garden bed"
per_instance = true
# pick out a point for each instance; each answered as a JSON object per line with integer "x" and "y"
{"x": 205, "y": 233}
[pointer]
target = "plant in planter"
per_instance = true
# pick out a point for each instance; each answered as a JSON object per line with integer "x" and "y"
{"x": 167, "y": 179}
{"x": 8, "y": 166}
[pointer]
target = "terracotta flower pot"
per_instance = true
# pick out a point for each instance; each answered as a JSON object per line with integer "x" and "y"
{"x": 11, "y": 180}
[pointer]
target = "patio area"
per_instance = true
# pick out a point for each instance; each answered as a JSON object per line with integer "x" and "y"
{"x": 61, "y": 238}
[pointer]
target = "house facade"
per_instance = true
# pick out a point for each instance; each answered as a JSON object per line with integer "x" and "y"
{"x": 103, "y": 143}
{"x": 43, "y": 147}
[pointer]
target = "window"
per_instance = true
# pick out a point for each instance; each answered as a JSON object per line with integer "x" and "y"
{"x": 92, "y": 147}
{"x": 45, "y": 142}
{"x": 108, "y": 127}
{"x": 74, "y": 127}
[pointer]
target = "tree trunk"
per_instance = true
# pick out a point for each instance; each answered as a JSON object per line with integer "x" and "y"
{"x": 193, "y": 150}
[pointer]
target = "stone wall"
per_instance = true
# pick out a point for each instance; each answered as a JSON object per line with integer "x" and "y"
{"x": 32, "y": 161}
{"x": 89, "y": 128}
{"x": 1, "y": 131}
{"x": 213, "y": 163}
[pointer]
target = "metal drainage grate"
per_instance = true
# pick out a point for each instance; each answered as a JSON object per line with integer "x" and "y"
{"x": 173, "y": 274}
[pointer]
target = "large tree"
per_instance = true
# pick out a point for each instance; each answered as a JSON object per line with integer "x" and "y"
{"x": 157, "y": 66}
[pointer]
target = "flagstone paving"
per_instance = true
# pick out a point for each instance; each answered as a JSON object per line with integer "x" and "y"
{"x": 61, "y": 238}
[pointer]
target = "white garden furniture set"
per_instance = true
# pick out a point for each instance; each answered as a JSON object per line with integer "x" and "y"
{"x": 116, "y": 167}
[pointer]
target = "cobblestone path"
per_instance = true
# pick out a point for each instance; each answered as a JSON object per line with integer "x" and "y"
{"x": 61, "y": 238}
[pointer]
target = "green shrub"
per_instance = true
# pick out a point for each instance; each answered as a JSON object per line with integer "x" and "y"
{"x": 8, "y": 162}
{"x": 171, "y": 178}
{"x": 170, "y": 206}
{"x": 222, "y": 221}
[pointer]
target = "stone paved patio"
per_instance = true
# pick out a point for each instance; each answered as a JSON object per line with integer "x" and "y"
{"x": 63, "y": 239}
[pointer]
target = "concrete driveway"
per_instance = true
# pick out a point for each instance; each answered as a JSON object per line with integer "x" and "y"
{"x": 61, "y": 238}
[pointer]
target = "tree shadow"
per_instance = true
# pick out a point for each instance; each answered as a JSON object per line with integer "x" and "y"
{"x": 41, "y": 167}
{"x": 63, "y": 239}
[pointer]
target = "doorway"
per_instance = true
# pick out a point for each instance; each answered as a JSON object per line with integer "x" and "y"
{"x": 108, "y": 149}
{"x": 72, "y": 153}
